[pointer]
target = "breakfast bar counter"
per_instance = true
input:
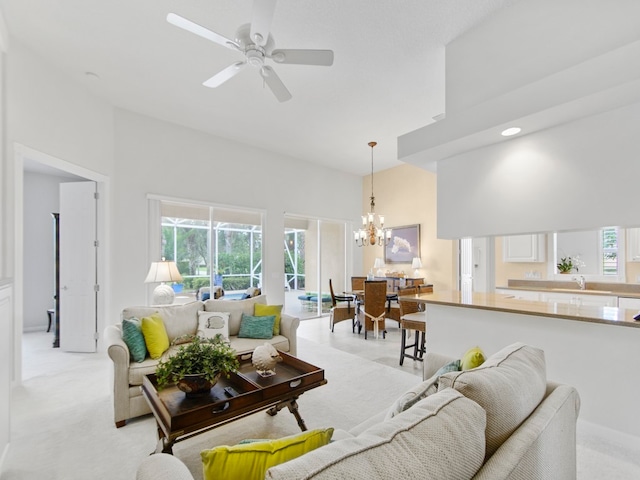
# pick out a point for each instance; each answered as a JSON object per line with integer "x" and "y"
{"x": 507, "y": 303}
{"x": 583, "y": 345}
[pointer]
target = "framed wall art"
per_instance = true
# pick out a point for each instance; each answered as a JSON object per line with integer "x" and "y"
{"x": 404, "y": 244}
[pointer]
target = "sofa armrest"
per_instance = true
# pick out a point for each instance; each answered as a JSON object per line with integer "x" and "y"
{"x": 162, "y": 466}
{"x": 119, "y": 354}
{"x": 544, "y": 446}
{"x": 433, "y": 362}
{"x": 289, "y": 328}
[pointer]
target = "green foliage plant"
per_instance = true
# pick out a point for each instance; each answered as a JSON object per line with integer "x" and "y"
{"x": 204, "y": 356}
{"x": 567, "y": 264}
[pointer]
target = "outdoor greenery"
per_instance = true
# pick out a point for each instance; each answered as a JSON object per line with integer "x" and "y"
{"x": 238, "y": 255}
{"x": 205, "y": 356}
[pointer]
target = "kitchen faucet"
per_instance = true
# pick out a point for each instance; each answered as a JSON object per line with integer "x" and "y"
{"x": 582, "y": 283}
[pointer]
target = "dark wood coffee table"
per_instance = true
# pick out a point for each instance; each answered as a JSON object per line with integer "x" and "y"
{"x": 180, "y": 417}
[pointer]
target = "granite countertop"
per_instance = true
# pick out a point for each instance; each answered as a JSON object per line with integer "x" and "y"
{"x": 626, "y": 290}
{"x": 507, "y": 303}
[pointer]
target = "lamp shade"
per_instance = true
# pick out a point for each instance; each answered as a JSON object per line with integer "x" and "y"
{"x": 378, "y": 263}
{"x": 416, "y": 263}
{"x": 164, "y": 271}
{"x": 160, "y": 272}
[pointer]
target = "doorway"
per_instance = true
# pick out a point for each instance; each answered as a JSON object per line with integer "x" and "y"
{"x": 37, "y": 174}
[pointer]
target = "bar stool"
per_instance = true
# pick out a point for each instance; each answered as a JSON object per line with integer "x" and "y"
{"x": 411, "y": 318}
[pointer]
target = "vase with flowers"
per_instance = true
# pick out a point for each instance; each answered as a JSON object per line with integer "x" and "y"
{"x": 569, "y": 263}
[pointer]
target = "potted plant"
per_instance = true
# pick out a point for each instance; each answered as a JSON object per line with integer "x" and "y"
{"x": 567, "y": 264}
{"x": 197, "y": 365}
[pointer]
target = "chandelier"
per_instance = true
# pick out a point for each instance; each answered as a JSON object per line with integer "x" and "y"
{"x": 372, "y": 232}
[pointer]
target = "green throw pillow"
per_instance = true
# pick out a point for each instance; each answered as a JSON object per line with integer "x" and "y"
{"x": 132, "y": 336}
{"x": 155, "y": 335}
{"x": 256, "y": 327}
{"x": 250, "y": 461}
{"x": 474, "y": 357}
{"x": 453, "y": 366}
{"x": 261, "y": 310}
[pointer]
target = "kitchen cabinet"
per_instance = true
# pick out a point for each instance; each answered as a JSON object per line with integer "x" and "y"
{"x": 520, "y": 294}
{"x": 580, "y": 299}
{"x": 629, "y": 303}
{"x": 523, "y": 248}
{"x": 633, "y": 244}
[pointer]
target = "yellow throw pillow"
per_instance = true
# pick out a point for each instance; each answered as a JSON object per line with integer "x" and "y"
{"x": 250, "y": 461}
{"x": 263, "y": 310}
{"x": 155, "y": 335}
{"x": 474, "y": 357}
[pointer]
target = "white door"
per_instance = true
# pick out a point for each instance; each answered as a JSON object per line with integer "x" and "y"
{"x": 78, "y": 269}
{"x": 466, "y": 265}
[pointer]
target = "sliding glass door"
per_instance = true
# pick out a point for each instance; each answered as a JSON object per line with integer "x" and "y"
{"x": 314, "y": 251}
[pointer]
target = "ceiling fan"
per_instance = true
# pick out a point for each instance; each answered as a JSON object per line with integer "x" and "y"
{"x": 255, "y": 42}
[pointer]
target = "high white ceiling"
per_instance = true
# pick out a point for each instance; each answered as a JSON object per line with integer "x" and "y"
{"x": 387, "y": 78}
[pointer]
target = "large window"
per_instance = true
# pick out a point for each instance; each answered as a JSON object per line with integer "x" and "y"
{"x": 210, "y": 245}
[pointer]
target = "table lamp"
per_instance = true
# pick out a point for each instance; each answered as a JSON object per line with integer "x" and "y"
{"x": 379, "y": 264}
{"x": 164, "y": 271}
{"x": 416, "y": 264}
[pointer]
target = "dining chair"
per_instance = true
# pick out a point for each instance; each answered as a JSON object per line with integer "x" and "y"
{"x": 357, "y": 283}
{"x": 343, "y": 307}
{"x": 372, "y": 312}
{"x": 411, "y": 318}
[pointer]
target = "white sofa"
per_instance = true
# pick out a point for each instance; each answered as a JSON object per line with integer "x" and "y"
{"x": 502, "y": 420}
{"x": 179, "y": 320}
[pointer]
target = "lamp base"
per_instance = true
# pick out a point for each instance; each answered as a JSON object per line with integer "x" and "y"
{"x": 416, "y": 273}
{"x": 163, "y": 294}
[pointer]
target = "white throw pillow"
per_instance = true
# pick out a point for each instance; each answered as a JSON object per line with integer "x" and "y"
{"x": 212, "y": 323}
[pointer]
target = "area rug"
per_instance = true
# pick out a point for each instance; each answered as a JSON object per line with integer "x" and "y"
{"x": 62, "y": 422}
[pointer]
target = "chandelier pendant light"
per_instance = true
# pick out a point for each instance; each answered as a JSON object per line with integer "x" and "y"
{"x": 372, "y": 231}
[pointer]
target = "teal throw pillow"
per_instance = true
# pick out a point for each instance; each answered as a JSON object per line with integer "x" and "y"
{"x": 256, "y": 327}
{"x": 132, "y": 336}
{"x": 453, "y": 366}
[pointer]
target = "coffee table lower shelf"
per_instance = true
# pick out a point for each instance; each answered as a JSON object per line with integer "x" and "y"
{"x": 179, "y": 417}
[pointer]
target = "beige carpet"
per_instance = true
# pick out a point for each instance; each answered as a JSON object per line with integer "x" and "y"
{"x": 62, "y": 420}
{"x": 62, "y": 425}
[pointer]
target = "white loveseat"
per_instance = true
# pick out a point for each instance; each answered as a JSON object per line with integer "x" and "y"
{"x": 502, "y": 420}
{"x": 180, "y": 320}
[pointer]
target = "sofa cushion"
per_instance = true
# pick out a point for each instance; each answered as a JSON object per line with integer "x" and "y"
{"x": 413, "y": 396}
{"x": 179, "y": 320}
{"x": 211, "y": 324}
{"x": 235, "y": 308}
{"x": 133, "y": 337}
{"x": 256, "y": 327}
{"x": 440, "y": 437}
{"x": 474, "y": 357}
{"x": 509, "y": 385}
{"x": 261, "y": 310}
{"x": 250, "y": 460}
{"x": 155, "y": 335}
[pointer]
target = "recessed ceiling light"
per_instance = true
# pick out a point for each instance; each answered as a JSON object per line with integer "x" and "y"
{"x": 511, "y": 131}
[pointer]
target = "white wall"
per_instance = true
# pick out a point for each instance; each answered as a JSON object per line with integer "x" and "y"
{"x": 156, "y": 157}
{"x": 591, "y": 357}
{"x": 576, "y": 176}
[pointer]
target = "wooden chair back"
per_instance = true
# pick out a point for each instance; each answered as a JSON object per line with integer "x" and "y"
{"x": 406, "y": 306}
{"x": 357, "y": 283}
{"x": 333, "y": 297}
{"x": 375, "y": 298}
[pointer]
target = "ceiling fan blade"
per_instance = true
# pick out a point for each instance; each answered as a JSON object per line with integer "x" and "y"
{"x": 224, "y": 75}
{"x": 275, "y": 84}
{"x": 261, "y": 18}
{"x": 304, "y": 57}
{"x": 199, "y": 30}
